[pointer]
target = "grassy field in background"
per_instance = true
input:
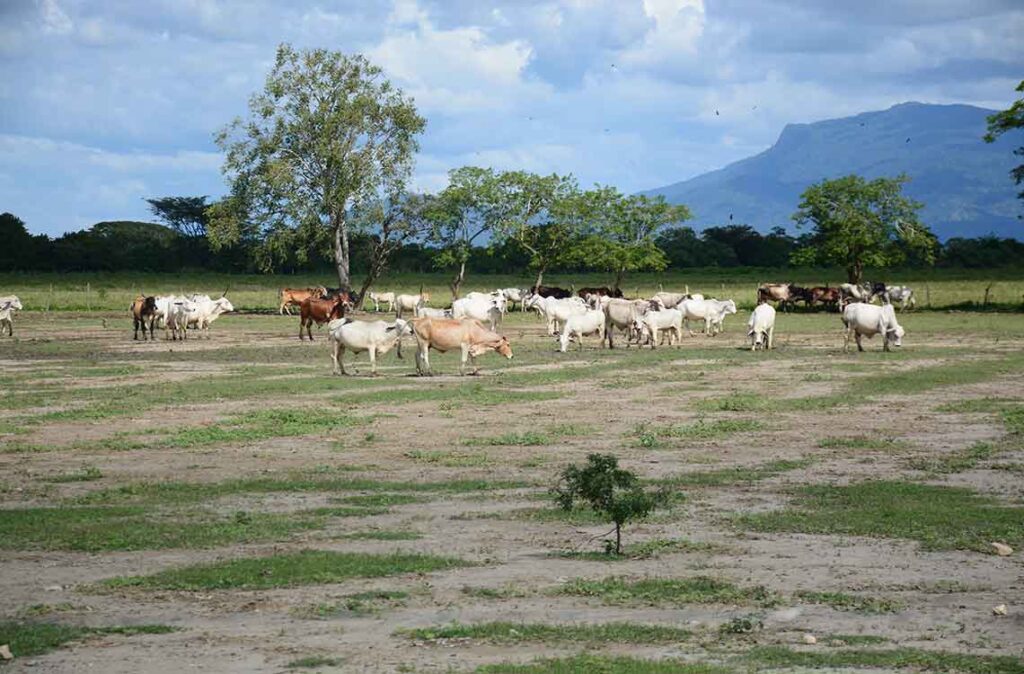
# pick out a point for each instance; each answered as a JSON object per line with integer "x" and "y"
{"x": 941, "y": 288}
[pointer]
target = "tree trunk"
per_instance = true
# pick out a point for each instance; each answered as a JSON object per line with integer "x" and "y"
{"x": 341, "y": 257}
{"x": 854, "y": 272}
{"x": 540, "y": 279}
{"x": 618, "y": 278}
{"x": 456, "y": 283}
{"x": 618, "y": 536}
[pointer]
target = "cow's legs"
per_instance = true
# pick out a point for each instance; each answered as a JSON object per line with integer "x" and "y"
{"x": 135, "y": 324}
{"x": 373, "y": 361}
{"x": 771, "y": 337}
{"x": 860, "y": 347}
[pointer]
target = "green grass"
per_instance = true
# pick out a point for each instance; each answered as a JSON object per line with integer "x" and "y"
{"x": 361, "y": 603}
{"x": 854, "y": 640}
{"x": 449, "y": 459}
{"x": 314, "y": 662}
{"x": 861, "y": 442}
{"x": 512, "y": 439}
{"x": 85, "y": 474}
{"x": 381, "y": 500}
{"x": 515, "y": 633}
{"x": 667, "y": 591}
{"x": 850, "y": 602}
{"x": 956, "y": 461}
{"x": 650, "y": 436}
{"x": 308, "y": 567}
{"x": 735, "y": 402}
{"x": 382, "y": 535}
{"x": 724, "y": 477}
{"x": 27, "y": 638}
{"x": 910, "y": 659}
{"x": 97, "y": 529}
{"x": 262, "y": 425}
{"x": 938, "y": 517}
{"x": 476, "y": 394}
{"x": 604, "y": 664}
{"x": 645, "y": 550}
{"x": 987, "y": 404}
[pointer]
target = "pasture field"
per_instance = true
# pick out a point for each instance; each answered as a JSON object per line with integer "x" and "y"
{"x": 227, "y": 505}
{"x": 942, "y": 288}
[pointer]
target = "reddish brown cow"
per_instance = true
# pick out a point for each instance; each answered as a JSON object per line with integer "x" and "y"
{"x": 824, "y": 295}
{"x": 319, "y": 311}
{"x": 143, "y": 311}
{"x": 295, "y": 296}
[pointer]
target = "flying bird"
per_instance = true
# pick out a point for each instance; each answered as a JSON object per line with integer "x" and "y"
{"x": 907, "y": 140}
{"x": 716, "y": 112}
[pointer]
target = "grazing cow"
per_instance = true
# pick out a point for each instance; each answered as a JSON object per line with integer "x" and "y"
{"x": 591, "y": 322}
{"x": 375, "y": 337}
{"x": 204, "y": 311}
{"x": 600, "y": 291}
{"x": 669, "y": 300}
{"x": 294, "y": 296}
{"x": 382, "y": 298}
{"x": 902, "y": 294}
{"x": 8, "y": 305}
{"x": 662, "y": 323}
{"x": 319, "y": 311}
{"x": 556, "y": 310}
{"x": 481, "y": 308}
{"x": 516, "y": 295}
{"x": 825, "y": 295}
{"x": 623, "y": 315}
{"x": 712, "y": 312}
{"x": 761, "y": 327}
{"x": 143, "y": 311}
{"x": 552, "y": 291}
{"x": 497, "y": 298}
{"x": 867, "y": 320}
{"x": 405, "y": 303}
{"x": 444, "y": 335}
{"x": 781, "y": 293}
{"x": 428, "y": 312}
{"x": 800, "y": 294}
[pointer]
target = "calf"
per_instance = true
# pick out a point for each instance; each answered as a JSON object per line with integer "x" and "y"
{"x": 143, "y": 312}
{"x": 515, "y": 296}
{"x": 294, "y": 296}
{"x": 591, "y": 322}
{"x": 658, "y": 323}
{"x": 761, "y": 327}
{"x": 444, "y": 335}
{"x": 375, "y": 337}
{"x": 867, "y": 320}
{"x": 382, "y": 298}
{"x": 8, "y": 305}
{"x": 319, "y": 311}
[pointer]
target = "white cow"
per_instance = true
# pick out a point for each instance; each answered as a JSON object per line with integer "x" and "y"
{"x": 591, "y": 322}
{"x": 405, "y": 303}
{"x": 622, "y": 314}
{"x": 515, "y": 295}
{"x": 662, "y": 323}
{"x": 556, "y": 310}
{"x": 203, "y": 312}
{"x": 382, "y": 298}
{"x": 478, "y": 308}
{"x": 8, "y": 305}
{"x": 497, "y": 297}
{"x": 712, "y": 312}
{"x": 375, "y": 337}
{"x": 669, "y": 300}
{"x": 428, "y": 312}
{"x": 902, "y": 294}
{"x": 177, "y": 312}
{"x": 867, "y": 320}
{"x": 761, "y": 327}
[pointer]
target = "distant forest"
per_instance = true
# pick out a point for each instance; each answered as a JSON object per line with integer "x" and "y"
{"x": 144, "y": 246}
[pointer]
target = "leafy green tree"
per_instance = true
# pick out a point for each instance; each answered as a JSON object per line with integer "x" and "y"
{"x": 1008, "y": 120}
{"x": 857, "y": 223}
{"x": 327, "y": 132}
{"x": 619, "y": 237}
{"x": 185, "y": 215}
{"x": 610, "y": 491}
{"x": 387, "y": 224}
{"x": 21, "y": 250}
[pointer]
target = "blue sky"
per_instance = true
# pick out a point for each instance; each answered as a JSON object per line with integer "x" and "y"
{"x": 106, "y": 102}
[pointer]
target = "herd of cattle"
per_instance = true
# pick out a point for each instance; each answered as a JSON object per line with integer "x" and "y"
{"x": 470, "y": 325}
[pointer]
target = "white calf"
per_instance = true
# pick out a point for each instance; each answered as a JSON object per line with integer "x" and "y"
{"x": 576, "y": 326}
{"x": 382, "y": 298}
{"x": 666, "y": 322}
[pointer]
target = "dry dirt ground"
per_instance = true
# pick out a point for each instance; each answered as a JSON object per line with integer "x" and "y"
{"x": 516, "y": 426}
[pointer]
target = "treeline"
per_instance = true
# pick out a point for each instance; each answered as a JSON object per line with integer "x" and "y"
{"x": 143, "y": 246}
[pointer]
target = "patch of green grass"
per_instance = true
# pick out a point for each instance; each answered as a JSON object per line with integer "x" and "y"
{"x": 670, "y": 591}
{"x": 450, "y": 459}
{"x": 308, "y": 567}
{"x": 850, "y": 602}
{"x": 511, "y": 439}
{"x": 86, "y": 474}
{"x": 568, "y": 430}
{"x": 645, "y": 550}
{"x": 28, "y": 638}
{"x": 604, "y": 664}
{"x": 855, "y": 640}
{"x": 956, "y": 461}
{"x": 723, "y": 477}
{"x": 451, "y": 395}
{"x": 383, "y": 500}
{"x": 1013, "y": 419}
{"x": 262, "y": 425}
{"x": 735, "y": 402}
{"x": 939, "y": 517}
{"x": 314, "y": 662}
{"x": 383, "y": 535}
{"x": 977, "y": 405}
{"x": 911, "y": 659}
{"x": 650, "y": 436}
{"x": 504, "y": 592}
{"x": 861, "y": 442}
{"x": 515, "y": 633}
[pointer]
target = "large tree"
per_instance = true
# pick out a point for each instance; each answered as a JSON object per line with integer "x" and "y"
{"x": 1008, "y": 120}
{"x": 185, "y": 215}
{"x": 327, "y": 132}
{"x": 621, "y": 230}
{"x": 857, "y": 223}
{"x": 388, "y": 223}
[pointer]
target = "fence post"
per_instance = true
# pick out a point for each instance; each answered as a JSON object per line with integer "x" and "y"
{"x": 88, "y": 298}
{"x": 984, "y": 302}
{"x": 49, "y": 299}
{"x": 928, "y": 295}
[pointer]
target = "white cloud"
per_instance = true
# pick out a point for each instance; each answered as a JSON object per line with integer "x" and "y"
{"x": 55, "y": 20}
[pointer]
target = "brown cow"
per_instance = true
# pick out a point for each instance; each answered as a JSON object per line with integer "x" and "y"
{"x": 446, "y": 334}
{"x": 825, "y": 295}
{"x": 785, "y": 294}
{"x": 319, "y": 311}
{"x": 552, "y": 291}
{"x": 295, "y": 296}
{"x": 143, "y": 310}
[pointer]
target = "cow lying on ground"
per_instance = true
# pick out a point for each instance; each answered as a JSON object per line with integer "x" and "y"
{"x": 761, "y": 327}
{"x": 143, "y": 314}
{"x": 467, "y": 335}
{"x": 319, "y": 311}
{"x": 867, "y": 320}
{"x": 8, "y": 305}
{"x": 590, "y": 322}
{"x": 374, "y": 337}
{"x": 294, "y": 296}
